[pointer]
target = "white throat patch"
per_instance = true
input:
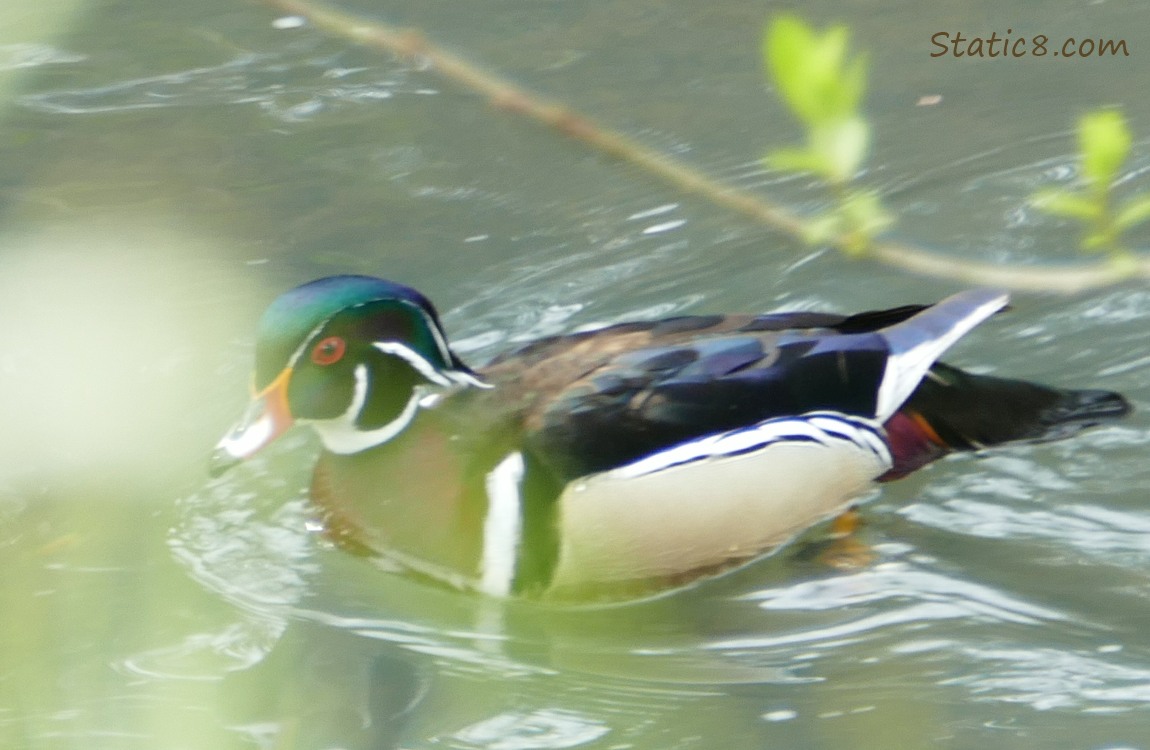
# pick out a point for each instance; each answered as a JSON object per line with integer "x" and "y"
{"x": 339, "y": 434}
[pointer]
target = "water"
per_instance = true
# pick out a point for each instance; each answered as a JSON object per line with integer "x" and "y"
{"x": 167, "y": 168}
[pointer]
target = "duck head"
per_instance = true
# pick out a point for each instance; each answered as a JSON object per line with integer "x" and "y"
{"x": 354, "y": 357}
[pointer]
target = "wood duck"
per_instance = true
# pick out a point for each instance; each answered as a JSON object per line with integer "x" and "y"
{"x": 625, "y": 459}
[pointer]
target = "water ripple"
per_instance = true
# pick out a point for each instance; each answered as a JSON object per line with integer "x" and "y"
{"x": 246, "y": 540}
{"x": 13, "y": 56}
{"x": 1089, "y": 528}
{"x": 288, "y": 92}
{"x": 1047, "y": 678}
{"x": 910, "y": 595}
{"x": 534, "y": 730}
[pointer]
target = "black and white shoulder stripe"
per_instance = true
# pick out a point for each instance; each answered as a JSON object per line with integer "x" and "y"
{"x": 824, "y": 428}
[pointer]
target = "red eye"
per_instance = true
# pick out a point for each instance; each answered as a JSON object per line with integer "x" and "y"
{"x": 329, "y": 351}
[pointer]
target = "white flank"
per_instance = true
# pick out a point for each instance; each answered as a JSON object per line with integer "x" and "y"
{"x": 917, "y": 343}
{"x": 503, "y": 526}
{"x": 825, "y": 428}
{"x": 713, "y": 502}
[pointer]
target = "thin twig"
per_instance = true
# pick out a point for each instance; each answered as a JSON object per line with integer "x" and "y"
{"x": 412, "y": 45}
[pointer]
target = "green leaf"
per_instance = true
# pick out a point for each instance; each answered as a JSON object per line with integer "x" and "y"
{"x": 823, "y": 85}
{"x": 1104, "y": 141}
{"x": 1099, "y": 241}
{"x": 853, "y": 84}
{"x": 824, "y": 65}
{"x": 1133, "y": 213}
{"x": 811, "y": 70}
{"x": 842, "y": 146}
{"x": 866, "y": 214}
{"x": 797, "y": 160}
{"x": 787, "y": 44}
{"x": 863, "y": 217}
{"x": 1125, "y": 262}
{"x": 1063, "y": 203}
{"x": 822, "y": 229}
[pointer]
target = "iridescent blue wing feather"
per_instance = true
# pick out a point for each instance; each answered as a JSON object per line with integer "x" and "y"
{"x": 686, "y": 378}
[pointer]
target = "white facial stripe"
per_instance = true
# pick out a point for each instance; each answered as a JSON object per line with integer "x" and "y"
{"x": 358, "y": 395}
{"x": 426, "y": 369}
{"x": 339, "y": 434}
{"x": 457, "y": 376}
{"x": 466, "y": 378}
{"x": 430, "y": 400}
{"x": 436, "y": 333}
{"x": 407, "y": 354}
{"x": 440, "y": 342}
{"x": 502, "y": 528}
{"x": 294, "y": 358}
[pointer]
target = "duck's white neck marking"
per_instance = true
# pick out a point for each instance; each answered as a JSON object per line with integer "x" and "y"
{"x": 339, "y": 434}
{"x": 503, "y": 527}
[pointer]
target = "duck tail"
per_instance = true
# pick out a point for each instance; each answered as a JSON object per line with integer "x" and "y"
{"x": 954, "y": 410}
{"x": 917, "y": 342}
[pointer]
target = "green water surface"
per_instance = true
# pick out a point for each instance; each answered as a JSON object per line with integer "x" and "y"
{"x": 167, "y": 168}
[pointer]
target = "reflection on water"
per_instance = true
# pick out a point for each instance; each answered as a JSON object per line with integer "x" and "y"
{"x": 727, "y": 656}
{"x": 167, "y": 168}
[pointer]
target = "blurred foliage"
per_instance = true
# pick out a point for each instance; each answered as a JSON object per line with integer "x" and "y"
{"x": 823, "y": 87}
{"x": 1103, "y": 146}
